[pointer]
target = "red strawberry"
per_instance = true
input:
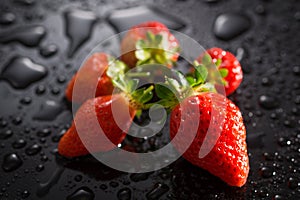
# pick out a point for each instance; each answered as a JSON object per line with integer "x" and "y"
{"x": 114, "y": 127}
{"x": 233, "y": 75}
{"x": 89, "y": 74}
{"x": 226, "y": 146}
{"x": 154, "y": 42}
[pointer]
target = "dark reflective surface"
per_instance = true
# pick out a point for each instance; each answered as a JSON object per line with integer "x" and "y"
{"x": 58, "y": 35}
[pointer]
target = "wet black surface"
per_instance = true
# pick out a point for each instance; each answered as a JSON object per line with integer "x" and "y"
{"x": 57, "y": 35}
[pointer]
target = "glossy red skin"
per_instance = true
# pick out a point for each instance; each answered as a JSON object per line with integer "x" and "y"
{"x": 88, "y": 76}
{"x": 228, "y": 158}
{"x": 71, "y": 145}
{"x": 229, "y": 61}
{"x": 139, "y": 32}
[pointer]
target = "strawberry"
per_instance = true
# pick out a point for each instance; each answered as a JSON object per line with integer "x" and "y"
{"x": 71, "y": 145}
{"x": 227, "y": 158}
{"x": 94, "y": 70}
{"x": 113, "y": 113}
{"x": 149, "y": 42}
{"x": 229, "y": 68}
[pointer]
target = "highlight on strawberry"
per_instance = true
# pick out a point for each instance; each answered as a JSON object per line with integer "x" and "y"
{"x": 149, "y": 43}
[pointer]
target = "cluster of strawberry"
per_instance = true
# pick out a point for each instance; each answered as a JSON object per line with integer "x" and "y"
{"x": 152, "y": 42}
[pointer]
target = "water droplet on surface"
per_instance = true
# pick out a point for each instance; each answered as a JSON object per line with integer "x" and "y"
{"x": 124, "y": 19}
{"x": 78, "y": 178}
{"x": 44, "y": 133}
{"x": 7, "y": 18}
{"x": 44, "y": 188}
{"x": 26, "y": 100}
{"x": 6, "y": 134}
{"x": 266, "y": 172}
{"x": 229, "y": 25}
{"x": 48, "y": 111}
{"x": 240, "y": 53}
{"x": 114, "y": 184}
{"x": 40, "y": 89}
{"x": 29, "y": 36}
{"x": 25, "y": 194}
{"x": 20, "y": 72}
{"x": 33, "y": 149}
{"x": 124, "y": 194}
{"x": 11, "y": 162}
{"x": 158, "y": 190}
{"x": 103, "y": 187}
{"x": 79, "y": 26}
{"x": 260, "y": 9}
{"x": 40, "y": 168}
{"x": 293, "y": 183}
{"x": 18, "y": 144}
{"x": 266, "y": 81}
{"x": 82, "y": 193}
{"x": 278, "y": 197}
{"x": 296, "y": 70}
{"x": 17, "y": 120}
{"x": 48, "y": 50}
{"x": 268, "y": 101}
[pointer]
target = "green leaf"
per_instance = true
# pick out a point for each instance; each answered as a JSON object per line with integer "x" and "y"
{"x": 201, "y": 74}
{"x": 145, "y": 97}
{"x": 223, "y": 72}
{"x": 207, "y": 87}
{"x": 160, "y": 58}
{"x": 150, "y": 36}
{"x": 142, "y": 54}
{"x": 158, "y": 39}
{"x": 115, "y": 68}
{"x": 173, "y": 83}
{"x": 218, "y": 63}
{"x": 142, "y": 62}
{"x": 140, "y": 44}
{"x": 163, "y": 92}
{"x": 182, "y": 79}
{"x": 191, "y": 80}
{"x": 132, "y": 85}
{"x": 206, "y": 60}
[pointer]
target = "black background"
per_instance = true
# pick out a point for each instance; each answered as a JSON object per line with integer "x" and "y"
{"x": 271, "y": 67}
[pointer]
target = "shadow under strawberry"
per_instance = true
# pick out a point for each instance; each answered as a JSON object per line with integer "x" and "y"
{"x": 91, "y": 167}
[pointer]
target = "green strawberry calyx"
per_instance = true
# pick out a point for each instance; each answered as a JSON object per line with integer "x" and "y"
{"x": 210, "y": 65}
{"x": 155, "y": 49}
{"x": 127, "y": 83}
